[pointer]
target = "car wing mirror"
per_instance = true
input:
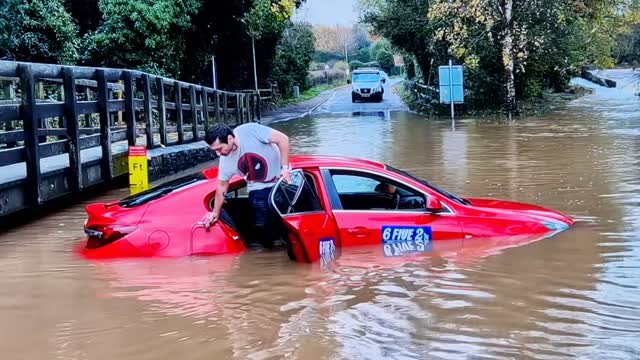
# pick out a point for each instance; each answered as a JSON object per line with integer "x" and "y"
{"x": 348, "y": 81}
{"x": 434, "y": 205}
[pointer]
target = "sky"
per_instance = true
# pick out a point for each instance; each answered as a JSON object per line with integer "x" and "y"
{"x": 328, "y": 12}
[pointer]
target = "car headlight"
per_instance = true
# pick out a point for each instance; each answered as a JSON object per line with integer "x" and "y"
{"x": 552, "y": 225}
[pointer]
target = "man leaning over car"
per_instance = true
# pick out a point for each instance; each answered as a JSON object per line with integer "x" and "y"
{"x": 261, "y": 155}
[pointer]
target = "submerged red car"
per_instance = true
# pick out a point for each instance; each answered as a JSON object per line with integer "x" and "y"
{"x": 331, "y": 203}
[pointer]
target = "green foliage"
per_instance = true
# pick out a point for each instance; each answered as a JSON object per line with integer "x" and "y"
{"x": 363, "y": 55}
{"x": 340, "y": 65}
{"x": 411, "y": 70}
{"x": 552, "y": 40}
{"x": 143, "y": 34}
{"x": 357, "y": 64}
{"x": 385, "y": 59}
{"x": 405, "y": 25}
{"x": 268, "y": 17}
{"x": 293, "y": 56}
{"x": 37, "y": 31}
{"x": 222, "y": 28}
{"x": 627, "y": 48}
{"x": 167, "y": 37}
{"x": 418, "y": 98}
{"x": 376, "y": 48}
{"x": 359, "y": 38}
{"x": 325, "y": 57}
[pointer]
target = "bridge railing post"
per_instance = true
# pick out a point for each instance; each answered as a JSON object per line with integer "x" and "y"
{"x": 225, "y": 107}
{"x": 194, "y": 113}
{"x": 129, "y": 108}
{"x": 238, "y": 111}
{"x": 217, "y": 104}
{"x": 247, "y": 106}
{"x": 258, "y": 103}
{"x": 162, "y": 113}
{"x": 30, "y": 126}
{"x": 179, "y": 120}
{"x": 106, "y": 164}
{"x": 73, "y": 133}
{"x": 205, "y": 108}
{"x": 148, "y": 111}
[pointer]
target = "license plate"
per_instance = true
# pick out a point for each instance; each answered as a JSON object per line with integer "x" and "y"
{"x": 405, "y": 240}
{"x": 365, "y": 95}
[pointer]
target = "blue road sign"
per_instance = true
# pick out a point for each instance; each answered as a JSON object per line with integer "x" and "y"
{"x": 451, "y": 79}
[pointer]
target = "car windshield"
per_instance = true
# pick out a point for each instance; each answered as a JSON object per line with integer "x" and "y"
{"x": 365, "y": 77}
{"x": 431, "y": 186}
{"x": 160, "y": 190}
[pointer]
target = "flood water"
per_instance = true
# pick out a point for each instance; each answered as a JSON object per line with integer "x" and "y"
{"x": 575, "y": 295}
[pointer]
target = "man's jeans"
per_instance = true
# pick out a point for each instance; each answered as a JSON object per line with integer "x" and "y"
{"x": 267, "y": 228}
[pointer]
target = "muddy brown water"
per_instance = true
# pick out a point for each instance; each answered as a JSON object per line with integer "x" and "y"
{"x": 574, "y": 295}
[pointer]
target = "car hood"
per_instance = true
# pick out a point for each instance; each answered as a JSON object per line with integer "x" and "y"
{"x": 359, "y": 84}
{"x": 535, "y": 212}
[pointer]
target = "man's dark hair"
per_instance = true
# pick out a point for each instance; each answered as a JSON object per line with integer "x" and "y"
{"x": 220, "y": 132}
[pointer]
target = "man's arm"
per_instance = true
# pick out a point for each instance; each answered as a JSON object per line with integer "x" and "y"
{"x": 282, "y": 141}
{"x": 213, "y": 216}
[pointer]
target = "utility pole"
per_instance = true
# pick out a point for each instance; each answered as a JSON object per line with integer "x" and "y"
{"x": 346, "y": 56}
{"x": 255, "y": 73}
{"x": 213, "y": 69}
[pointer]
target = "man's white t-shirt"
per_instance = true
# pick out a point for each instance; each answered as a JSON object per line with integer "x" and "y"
{"x": 255, "y": 159}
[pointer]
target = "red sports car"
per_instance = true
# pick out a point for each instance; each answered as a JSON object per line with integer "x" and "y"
{"x": 331, "y": 203}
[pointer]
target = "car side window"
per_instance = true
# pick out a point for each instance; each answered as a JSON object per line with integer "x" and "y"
{"x": 298, "y": 196}
{"x": 368, "y": 192}
{"x": 353, "y": 184}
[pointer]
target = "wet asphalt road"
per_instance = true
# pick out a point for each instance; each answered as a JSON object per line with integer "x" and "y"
{"x": 340, "y": 101}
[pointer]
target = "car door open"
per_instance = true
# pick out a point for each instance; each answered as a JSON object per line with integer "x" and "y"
{"x": 311, "y": 230}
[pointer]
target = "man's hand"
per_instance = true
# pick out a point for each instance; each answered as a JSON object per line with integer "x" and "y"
{"x": 209, "y": 218}
{"x": 286, "y": 175}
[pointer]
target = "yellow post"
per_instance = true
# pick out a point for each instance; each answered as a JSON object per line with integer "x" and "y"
{"x": 138, "y": 174}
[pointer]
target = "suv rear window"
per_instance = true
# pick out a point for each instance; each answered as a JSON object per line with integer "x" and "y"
{"x": 161, "y": 190}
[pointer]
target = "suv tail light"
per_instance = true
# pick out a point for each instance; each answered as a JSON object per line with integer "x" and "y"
{"x": 101, "y": 235}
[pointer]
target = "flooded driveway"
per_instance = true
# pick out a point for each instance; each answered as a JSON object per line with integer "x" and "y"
{"x": 574, "y": 295}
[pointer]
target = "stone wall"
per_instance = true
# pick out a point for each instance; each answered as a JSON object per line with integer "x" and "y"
{"x": 167, "y": 161}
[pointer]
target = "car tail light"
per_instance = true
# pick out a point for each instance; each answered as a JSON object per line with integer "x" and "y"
{"x": 101, "y": 235}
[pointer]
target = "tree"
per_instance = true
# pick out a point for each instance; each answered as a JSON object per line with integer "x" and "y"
{"x": 627, "y": 48}
{"x": 406, "y": 25}
{"x": 86, "y": 14}
{"x": 385, "y": 59}
{"x": 333, "y": 39}
{"x": 377, "y": 47}
{"x": 293, "y": 56}
{"x": 37, "y": 31}
{"x": 510, "y": 48}
{"x": 540, "y": 43}
{"x": 149, "y": 36}
{"x": 223, "y": 28}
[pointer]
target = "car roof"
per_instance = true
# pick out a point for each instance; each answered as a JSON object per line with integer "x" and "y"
{"x": 317, "y": 161}
{"x": 369, "y": 71}
{"x": 309, "y": 161}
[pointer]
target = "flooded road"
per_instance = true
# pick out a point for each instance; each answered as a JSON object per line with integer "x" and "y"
{"x": 340, "y": 102}
{"x": 575, "y": 295}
